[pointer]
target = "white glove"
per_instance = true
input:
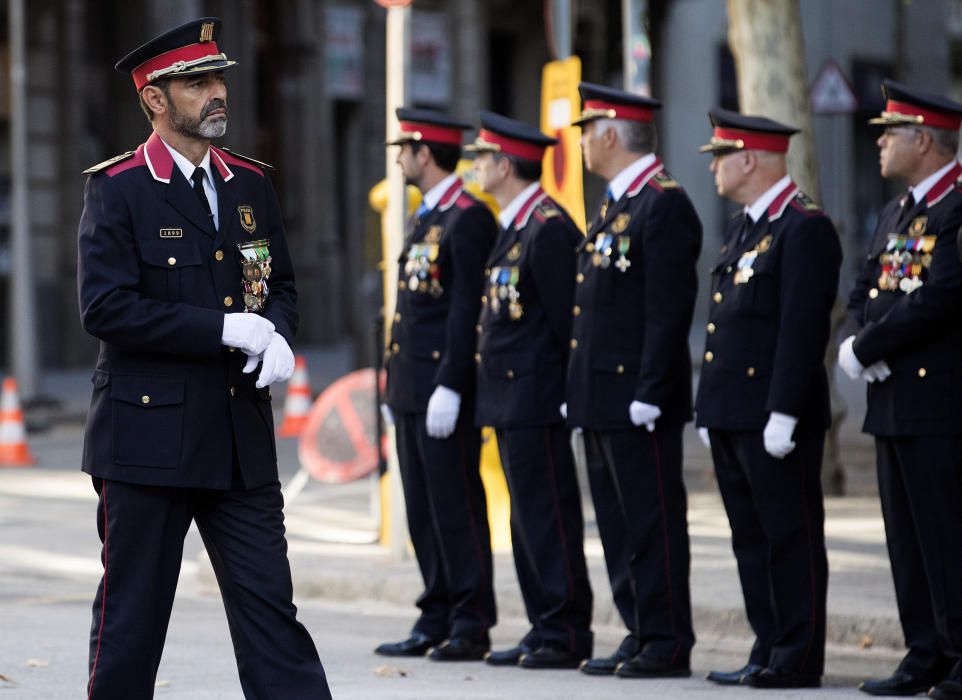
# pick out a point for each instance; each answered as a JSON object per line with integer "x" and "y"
{"x": 387, "y": 414}
{"x": 443, "y": 407}
{"x": 847, "y": 360}
{"x": 878, "y": 372}
{"x": 248, "y": 332}
{"x": 644, "y": 413}
{"x": 778, "y": 434}
{"x": 564, "y": 410}
{"x": 278, "y": 362}
{"x": 704, "y": 437}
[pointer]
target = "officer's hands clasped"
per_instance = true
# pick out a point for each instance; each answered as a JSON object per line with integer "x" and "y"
{"x": 443, "y": 408}
{"x": 248, "y": 332}
{"x": 278, "y": 361}
{"x": 847, "y": 359}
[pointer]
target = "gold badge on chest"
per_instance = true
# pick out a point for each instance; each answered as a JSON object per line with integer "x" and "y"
{"x": 433, "y": 235}
{"x": 620, "y": 224}
{"x": 515, "y": 252}
{"x": 918, "y": 225}
{"x": 246, "y": 214}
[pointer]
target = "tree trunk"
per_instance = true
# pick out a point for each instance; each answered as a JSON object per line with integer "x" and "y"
{"x": 766, "y": 40}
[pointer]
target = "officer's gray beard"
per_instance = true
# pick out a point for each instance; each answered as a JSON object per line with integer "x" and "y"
{"x": 201, "y": 127}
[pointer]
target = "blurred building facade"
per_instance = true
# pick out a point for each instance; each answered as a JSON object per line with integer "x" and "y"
{"x": 308, "y": 96}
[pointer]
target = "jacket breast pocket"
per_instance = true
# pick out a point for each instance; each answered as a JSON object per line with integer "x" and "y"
{"x": 147, "y": 420}
{"x": 172, "y": 271}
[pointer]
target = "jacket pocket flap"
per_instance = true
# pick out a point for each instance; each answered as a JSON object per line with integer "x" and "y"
{"x": 147, "y": 391}
{"x": 169, "y": 255}
{"x": 509, "y": 364}
{"x": 616, "y": 362}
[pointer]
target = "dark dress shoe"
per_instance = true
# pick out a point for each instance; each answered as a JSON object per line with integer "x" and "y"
{"x": 947, "y": 690}
{"x": 507, "y": 657}
{"x": 415, "y": 645}
{"x": 551, "y": 656}
{"x": 642, "y": 666}
{"x": 605, "y": 666}
{"x": 775, "y": 678}
{"x": 733, "y": 677}
{"x": 460, "y": 649}
{"x": 899, "y": 684}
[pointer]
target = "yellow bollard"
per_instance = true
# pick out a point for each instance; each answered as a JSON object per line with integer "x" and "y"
{"x": 492, "y": 475}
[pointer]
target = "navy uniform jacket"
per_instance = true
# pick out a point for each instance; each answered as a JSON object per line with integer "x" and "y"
{"x": 170, "y": 405}
{"x": 908, "y": 312}
{"x": 440, "y": 278}
{"x": 525, "y": 321}
{"x": 634, "y": 298}
{"x": 768, "y": 322}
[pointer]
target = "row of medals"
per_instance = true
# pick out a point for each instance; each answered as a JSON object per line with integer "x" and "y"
{"x": 422, "y": 270}
{"x": 504, "y": 288}
{"x": 255, "y": 270}
{"x": 903, "y": 262}
{"x": 604, "y": 248}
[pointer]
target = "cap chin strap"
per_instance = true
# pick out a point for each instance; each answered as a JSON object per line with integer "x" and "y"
{"x": 179, "y": 66}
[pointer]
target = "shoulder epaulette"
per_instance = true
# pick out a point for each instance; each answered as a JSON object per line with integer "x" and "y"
{"x": 258, "y": 163}
{"x": 665, "y": 181}
{"x": 547, "y": 210}
{"x": 107, "y": 163}
{"x": 803, "y": 201}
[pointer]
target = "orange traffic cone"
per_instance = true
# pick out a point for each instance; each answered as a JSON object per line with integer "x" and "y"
{"x": 298, "y": 402}
{"x": 13, "y": 437}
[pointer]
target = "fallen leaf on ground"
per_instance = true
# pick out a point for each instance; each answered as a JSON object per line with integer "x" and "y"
{"x": 388, "y": 671}
{"x": 162, "y": 684}
{"x": 38, "y": 663}
{"x": 866, "y": 641}
{"x": 7, "y": 679}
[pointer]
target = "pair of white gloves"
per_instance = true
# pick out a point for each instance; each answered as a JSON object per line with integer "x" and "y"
{"x": 850, "y": 364}
{"x": 777, "y": 435}
{"x": 255, "y": 335}
{"x": 443, "y": 408}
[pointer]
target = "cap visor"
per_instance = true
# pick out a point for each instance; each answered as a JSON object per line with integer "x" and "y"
{"x": 210, "y": 67}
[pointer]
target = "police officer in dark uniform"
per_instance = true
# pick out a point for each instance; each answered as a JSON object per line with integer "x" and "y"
{"x": 180, "y": 426}
{"x": 431, "y": 393}
{"x": 523, "y": 339}
{"x": 904, "y": 337}
{"x": 629, "y": 379}
{"x": 763, "y": 396}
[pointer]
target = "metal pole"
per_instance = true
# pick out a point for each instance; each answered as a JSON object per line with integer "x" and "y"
{"x": 636, "y": 48}
{"x": 22, "y": 296}
{"x": 398, "y": 81}
{"x": 561, "y": 14}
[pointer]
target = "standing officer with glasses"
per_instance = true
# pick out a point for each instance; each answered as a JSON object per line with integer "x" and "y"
{"x": 904, "y": 337}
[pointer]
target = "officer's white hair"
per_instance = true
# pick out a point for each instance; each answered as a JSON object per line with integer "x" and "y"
{"x": 636, "y": 137}
{"x": 946, "y": 140}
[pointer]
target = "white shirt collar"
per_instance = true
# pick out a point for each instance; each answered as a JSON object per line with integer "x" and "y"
{"x": 433, "y": 195}
{"x": 506, "y": 217}
{"x": 620, "y": 182}
{"x": 187, "y": 168}
{"x": 760, "y": 206}
{"x": 922, "y": 189}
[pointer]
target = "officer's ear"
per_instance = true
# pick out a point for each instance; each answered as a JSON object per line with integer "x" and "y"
{"x": 153, "y": 99}
{"x": 748, "y": 161}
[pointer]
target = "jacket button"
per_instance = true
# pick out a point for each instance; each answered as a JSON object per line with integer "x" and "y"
{"x": 477, "y": 357}
{"x": 709, "y": 356}
{"x": 171, "y": 261}
{"x": 710, "y": 328}
{"x": 576, "y": 310}
{"x": 233, "y": 391}
{"x": 484, "y": 299}
{"x": 228, "y": 301}
{"x": 487, "y": 271}
{"x": 401, "y": 285}
{"x": 590, "y": 247}
{"x": 580, "y": 277}
{"x": 435, "y": 354}
{"x": 145, "y": 399}
{"x": 397, "y": 318}
{"x": 509, "y": 374}
{"x": 218, "y": 255}
{"x": 922, "y": 372}
{"x": 728, "y": 270}
{"x": 717, "y": 297}
{"x": 574, "y": 343}
{"x": 479, "y": 328}
{"x": 620, "y": 369}
{"x": 232, "y": 349}
{"x": 872, "y": 293}
{"x": 750, "y": 371}
{"x": 395, "y": 347}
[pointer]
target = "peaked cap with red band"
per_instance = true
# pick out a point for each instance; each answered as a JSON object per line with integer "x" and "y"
{"x": 743, "y": 132}
{"x": 510, "y": 137}
{"x": 905, "y": 106}
{"x": 419, "y": 125}
{"x": 603, "y": 102}
{"x": 189, "y": 49}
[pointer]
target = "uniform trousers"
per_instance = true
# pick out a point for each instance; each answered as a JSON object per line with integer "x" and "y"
{"x": 641, "y": 510}
{"x": 920, "y": 485}
{"x": 142, "y": 529}
{"x": 547, "y": 535}
{"x": 448, "y": 524}
{"x": 777, "y": 518}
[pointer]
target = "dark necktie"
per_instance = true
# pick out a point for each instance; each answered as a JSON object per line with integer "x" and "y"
{"x": 198, "y": 180}
{"x": 743, "y": 230}
{"x": 907, "y": 206}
